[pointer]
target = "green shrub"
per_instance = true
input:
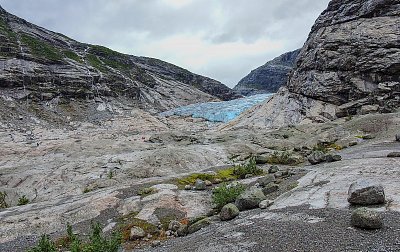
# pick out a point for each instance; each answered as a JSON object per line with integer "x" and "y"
{"x": 45, "y": 245}
{"x": 3, "y": 203}
{"x": 240, "y": 171}
{"x": 23, "y": 200}
{"x": 226, "y": 193}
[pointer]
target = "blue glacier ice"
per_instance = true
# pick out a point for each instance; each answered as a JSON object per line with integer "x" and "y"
{"x": 224, "y": 111}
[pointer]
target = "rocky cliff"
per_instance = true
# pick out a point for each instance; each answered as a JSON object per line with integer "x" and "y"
{"x": 349, "y": 65}
{"x": 47, "y": 75}
{"x": 269, "y": 77}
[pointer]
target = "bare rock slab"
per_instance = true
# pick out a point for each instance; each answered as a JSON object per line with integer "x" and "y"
{"x": 365, "y": 193}
{"x": 366, "y": 218}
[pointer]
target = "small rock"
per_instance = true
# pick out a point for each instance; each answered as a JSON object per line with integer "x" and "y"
{"x": 168, "y": 233}
{"x": 263, "y": 181}
{"x": 279, "y": 174}
{"x": 366, "y": 193}
{"x": 366, "y": 218}
{"x": 317, "y": 157}
{"x": 182, "y": 231}
{"x": 229, "y": 212}
{"x": 199, "y": 225}
{"x": 270, "y": 188}
{"x": 248, "y": 176}
{"x": 217, "y": 181}
{"x": 368, "y": 137}
{"x": 333, "y": 158}
{"x": 394, "y": 155}
{"x": 200, "y": 185}
{"x": 137, "y": 233}
{"x": 353, "y": 144}
{"x": 273, "y": 169}
{"x": 265, "y": 204}
{"x": 208, "y": 183}
{"x": 261, "y": 159}
{"x": 250, "y": 199}
{"x": 398, "y": 137}
{"x": 155, "y": 243}
{"x": 188, "y": 187}
{"x": 174, "y": 225}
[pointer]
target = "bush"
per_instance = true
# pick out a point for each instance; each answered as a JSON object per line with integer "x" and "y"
{"x": 240, "y": 171}
{"x": 23, "y": 200}
{"x": 226, "y": 193}
{"x": 45, "y": 245}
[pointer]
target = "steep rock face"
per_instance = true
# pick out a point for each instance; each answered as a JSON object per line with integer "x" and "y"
{"x": 49, "y": 72}
{"x": 349, "y": 65}
{"x": 269, "y": 77}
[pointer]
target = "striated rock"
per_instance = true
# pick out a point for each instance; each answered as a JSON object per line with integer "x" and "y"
{"x": 269, "y": 77}
{"x": 350, "y": 60}
{"x": 366, "y": 218}
{"x": 364, "y": 192}
{"x": 250, "y": 199}
{"x": 229, "y": 212}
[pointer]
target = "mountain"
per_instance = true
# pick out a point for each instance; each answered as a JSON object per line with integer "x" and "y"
{"x": 269, "y": 77}
{"x": 46, "y": 74}
{"x": 350, "y": 64}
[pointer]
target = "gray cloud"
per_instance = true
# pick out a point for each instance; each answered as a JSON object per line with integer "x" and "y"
{"x": 145, "y": 27}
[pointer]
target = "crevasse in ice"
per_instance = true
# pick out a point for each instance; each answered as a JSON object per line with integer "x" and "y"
{"x": 224, "y": 111}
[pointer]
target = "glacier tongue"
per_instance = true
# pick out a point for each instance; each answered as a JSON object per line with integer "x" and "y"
{"x": 224, "y": 111}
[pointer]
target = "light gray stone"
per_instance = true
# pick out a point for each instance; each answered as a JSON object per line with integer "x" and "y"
{"x": 250, "y": 199}
{"x": 137, "y": 233}
{"x": 364, "y": 192}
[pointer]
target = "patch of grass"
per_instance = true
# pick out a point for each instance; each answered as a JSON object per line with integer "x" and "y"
{"x": 222, "y": 175}
{"x": 41, "y": 49}
{"x": 240, "y": 171}
{"x": 283, "y": 158}
{"x": 87, "y": 190}
{"x": 146, "y": 191}
{"x": 147, "y": 227}
{"x": 3, "y": 203}
{"x": 226, "y": 193}
{"x": 72, "y": 55}
{"x": 111, "y": 58}
{"x": 95, "y": 62}
{"x": 23, "y": 200}
{"x": 45, "y": 245}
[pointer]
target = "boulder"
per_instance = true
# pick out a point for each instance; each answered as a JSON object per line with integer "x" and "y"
{"x": 317, "y": 157}
{"x": 273, "y": 169}
{"x": 366, "y": 218}
{"x": 261, "y": 159}
{"x": 200, "y": 185}
{"x": 263, "y": 181}
{"x": 199, "y": 225}
{"x": 265, "y": 204}
{"x": 270, "y": 188}
{"x": 364, "y": 192}
{"x": 250, "y": 199}
{"x": 394, "y": 155}
{"x": 137, "y": 233}
{"x": 229, "y": 212}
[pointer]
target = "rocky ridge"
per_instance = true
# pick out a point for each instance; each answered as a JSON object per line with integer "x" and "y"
{"x": 47, "y": 76}
{"x": 269, "y": 77}
{"x": 349, "y": 65}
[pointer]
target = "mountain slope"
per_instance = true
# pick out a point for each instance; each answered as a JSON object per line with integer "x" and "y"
{"x": 41, "y": 67}
{"x": 349, "y": 65}
{"x": 269, "y": 77}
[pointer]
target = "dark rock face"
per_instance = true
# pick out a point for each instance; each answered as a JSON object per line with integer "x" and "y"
{"x": 366, "y": 193}
{"x": 269, "y": 77}
{"x": 350, "y": 64}
{"x": 39, "y": 66}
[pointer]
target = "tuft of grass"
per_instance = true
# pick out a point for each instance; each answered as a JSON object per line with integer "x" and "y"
{"x": 283, "y": 158}
{"x": 146, "y": 191}
{"x": 3, "y": 203}
{"x": 240, "y": 171}
{"x": 23, "y": 200}
{"x": 95, "y": 62}
{"x": 41, "y": 49}
{"x": 226, "y": 193}
{"x": 45, "y": 245}
{"x": 72, "y": 55}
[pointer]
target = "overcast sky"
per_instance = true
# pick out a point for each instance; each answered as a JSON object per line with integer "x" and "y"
{"x": 222, "y": 39}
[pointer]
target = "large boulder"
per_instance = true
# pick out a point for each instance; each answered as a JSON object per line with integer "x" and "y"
{"x": 229, "y": 212}
{"x": 366, "y": 218}
{"x": 250, "y": 199}
{"x": 365, "y": 192}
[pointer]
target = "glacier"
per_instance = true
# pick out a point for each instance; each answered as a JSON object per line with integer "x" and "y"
{"x": 223, "y": 111}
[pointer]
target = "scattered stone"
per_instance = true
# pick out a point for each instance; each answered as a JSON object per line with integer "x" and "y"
{"x": 273, "y": 169}
{"x": 200, "y": 185}
{"x": 168, "y": 233}
{"x": 317, "y": 157}
{"x": 263, "y": 181}
{"x": 174, "y": 225}
{"x": 217, "y": 181}
{"x": 155, "y": 243}
{"x": 394, "y": 155}
{"x": 188, "y": 187}
{"x": 208, "y": 183}
{"x": 182, "y": 231}
{"x": 366, "y": 193}
{"x": 333, "y": 158}
{"x": 398, "y": 137}
{"x": 199, "y": 225}
{"x": 279, "y": 175}
{"x": 137, "y": 233}
{"x": 266, "y": 203}
{"x": 270, "y": 188}
{"x": 366, "y": 218}
{"x": 261, "y": 159}
{"x": 285, "y": 173}
{"x": 250, "y": 199}
{"x": 229, "y": 212}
